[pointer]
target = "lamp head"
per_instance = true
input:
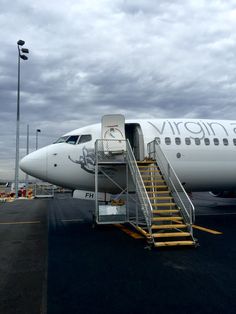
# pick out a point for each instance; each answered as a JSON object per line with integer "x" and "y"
{"x": 24, "y": 57}
{"x": 20, "y": 42}
{"x": 25, "y": 50}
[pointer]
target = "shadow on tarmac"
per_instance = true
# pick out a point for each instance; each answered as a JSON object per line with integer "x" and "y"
{"x": 61, "y": 264}
{"x": 103, "y": 270}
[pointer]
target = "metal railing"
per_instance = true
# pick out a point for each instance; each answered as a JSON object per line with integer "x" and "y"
{"x": 179, "y": 194}
{"x": 110, "y": 150}
{"x": 143, "y": 197}
{"x": 120, "y": 151}
{"x": 43, "y": 190}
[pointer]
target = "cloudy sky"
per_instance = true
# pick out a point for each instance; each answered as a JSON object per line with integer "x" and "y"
{"x": 142, "y": 58}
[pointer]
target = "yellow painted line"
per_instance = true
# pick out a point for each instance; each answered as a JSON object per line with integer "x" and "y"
{"x": 129, "y": 232}
{"x": 207, "y": 230}
{"x": 203, "y": 229}
{"x": 20, "y": 222}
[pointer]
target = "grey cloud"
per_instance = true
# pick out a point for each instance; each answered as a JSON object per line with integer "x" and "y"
{"x": 140, "y": 58}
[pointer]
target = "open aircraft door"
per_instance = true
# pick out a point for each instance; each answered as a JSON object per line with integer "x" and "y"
{"x": 113, "y": 130}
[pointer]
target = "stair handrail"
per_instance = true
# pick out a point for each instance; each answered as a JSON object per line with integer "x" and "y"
{"x": 140, "y": 188}
{"x": 178, "y": 192}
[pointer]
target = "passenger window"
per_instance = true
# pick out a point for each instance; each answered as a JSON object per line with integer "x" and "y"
{"x": 216, "y": 141}
{"x": 206, "y": 141}
{"x": 72, "y": 139}
{"x": 177, "y": 141}
{"x": 225, "y": 141}
{"x": 197, "y": 141}
{"x": 187, "y": 141}
{"x": 234, "y": 140}
{"x": 85, "y": 138}
{"x": 167, "y": 140}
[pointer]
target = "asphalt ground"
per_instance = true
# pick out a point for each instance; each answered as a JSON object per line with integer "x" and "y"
{"x": 81, "y": 269}
{"x": 23, "y": 257}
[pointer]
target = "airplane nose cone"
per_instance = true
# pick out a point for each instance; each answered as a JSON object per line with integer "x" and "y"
{"x": 35, "y": 164}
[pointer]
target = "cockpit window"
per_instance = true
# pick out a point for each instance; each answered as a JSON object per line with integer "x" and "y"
{"x": 62, "y": 139}
{"x": 85, "y": 138}
{"x": 72, "y": 139}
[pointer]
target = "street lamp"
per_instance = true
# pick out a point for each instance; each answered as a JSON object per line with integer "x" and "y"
{"x": 21, "y": 55}
{"x": 27, "y": 152}
{"x": 37, "y": 132}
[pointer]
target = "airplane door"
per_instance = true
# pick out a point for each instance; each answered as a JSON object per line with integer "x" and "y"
{"x": 138, "y": 143}
{"x": 134, "y": 134}
{"x": 113, "y": 129}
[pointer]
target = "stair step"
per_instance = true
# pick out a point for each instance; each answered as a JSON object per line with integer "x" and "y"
{"x": 154, "y": 181}
{"x": 150, "y": 170}
{"x": 165, "y": 211}
{"x": 163, "y": 204}
{"x": 153, "y": 165}
{"x": 158, "y": 192}
{"x": 173, "y": 218}
{"x": 149, "y": 178}
{"x": 171, "y": 234}
{"x": 156, "y": 186}
{"x": 145, "y": 162}
{"x": 150, "y": 173}
{"x": 174, "y": 243}
{"x": 161, "y": 198}
{"x": 171, "y": 226}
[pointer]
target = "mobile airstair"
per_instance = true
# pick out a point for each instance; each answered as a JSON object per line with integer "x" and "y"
{"x": 172, "y": 212}
{"x": 163, "y": 212}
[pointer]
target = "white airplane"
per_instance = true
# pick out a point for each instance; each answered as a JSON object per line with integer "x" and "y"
{"x": 202, "y": 152}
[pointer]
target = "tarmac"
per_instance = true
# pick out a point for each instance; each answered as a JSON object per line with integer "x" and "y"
{"x": 53, "y": 260}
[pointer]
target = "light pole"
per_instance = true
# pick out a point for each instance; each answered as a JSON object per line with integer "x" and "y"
{"x": 24, "y": 57}
{"x": 37, "y": 132}
{"x": 27, "y": 152}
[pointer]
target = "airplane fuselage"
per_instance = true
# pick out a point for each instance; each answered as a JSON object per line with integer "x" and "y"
{"x": 202, "y": 152}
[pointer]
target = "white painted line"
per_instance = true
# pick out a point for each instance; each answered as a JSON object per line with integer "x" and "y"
{"x": 217, "y": 214}
{"x": 71, "y": 220}
{"x": 20, "y": 222}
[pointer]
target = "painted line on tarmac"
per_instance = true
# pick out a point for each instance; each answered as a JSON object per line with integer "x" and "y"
{"x": 20, "y": 222}
{"x": 203, "y": 228}
{"x": 216, "y": 214}
{"x": 207, "y": 229}
{"x": 71, "y": 220}
{"x": 133, "y": 234}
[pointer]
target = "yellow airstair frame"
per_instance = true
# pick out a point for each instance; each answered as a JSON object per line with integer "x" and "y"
{"x": 168, "y": 227}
